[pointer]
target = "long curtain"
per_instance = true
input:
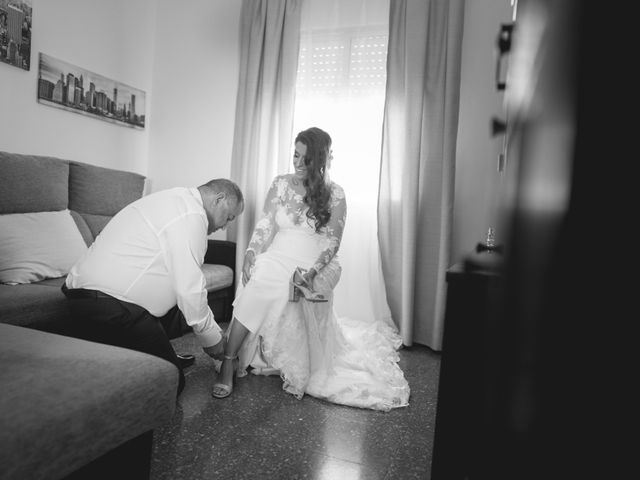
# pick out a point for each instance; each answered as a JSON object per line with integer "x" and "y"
{"x": 270, "y": 40}
{"x": 341, "y": 87}
{"x": 415, "y": 201}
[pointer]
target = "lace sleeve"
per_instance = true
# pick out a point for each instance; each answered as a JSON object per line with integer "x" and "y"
{"x": 266, "y": 227}
{"x": 333, "y": 229}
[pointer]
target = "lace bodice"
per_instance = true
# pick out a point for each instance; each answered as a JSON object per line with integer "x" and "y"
{"x": 284, "y": 208}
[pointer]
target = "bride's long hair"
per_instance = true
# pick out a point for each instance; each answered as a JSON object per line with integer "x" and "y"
{"x": 317, "y": 183}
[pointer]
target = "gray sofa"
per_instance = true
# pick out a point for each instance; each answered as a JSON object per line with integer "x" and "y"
{"x": 71, "y": 408}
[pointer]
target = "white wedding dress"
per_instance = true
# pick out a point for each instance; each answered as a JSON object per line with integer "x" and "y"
{"x": 315, "y": 352}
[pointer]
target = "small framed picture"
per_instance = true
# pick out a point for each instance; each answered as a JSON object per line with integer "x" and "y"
{"x": 15, "y": 33}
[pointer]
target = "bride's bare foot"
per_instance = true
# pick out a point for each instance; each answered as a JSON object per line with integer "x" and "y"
{"x": 224, "y": 385}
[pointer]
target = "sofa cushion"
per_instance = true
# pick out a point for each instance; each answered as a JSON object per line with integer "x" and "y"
{"x": 33, "y": 183}
{"x": 39, "y": 305}
{"x": 66, "y": 402}
{"x": 95, "y": 223}
{"x": 83, "y": 227}
{"x": 98, "y": 193}
{"x": 217, "y": 277}
{"x": 38, "y": 245}
{"x": 102, "y": 191}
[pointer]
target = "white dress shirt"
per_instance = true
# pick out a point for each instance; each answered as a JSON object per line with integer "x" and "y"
{"x": 150, "y": 253}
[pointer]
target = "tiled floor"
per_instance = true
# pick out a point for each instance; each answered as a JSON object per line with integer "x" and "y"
{"x": 261, "y": 432}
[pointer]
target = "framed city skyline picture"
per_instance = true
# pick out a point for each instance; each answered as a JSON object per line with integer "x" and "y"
{"x": 15, "y": 33}
{"x": 66, "y": 86}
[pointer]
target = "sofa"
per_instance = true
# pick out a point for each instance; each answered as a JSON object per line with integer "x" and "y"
{"x": 71, "y": 408}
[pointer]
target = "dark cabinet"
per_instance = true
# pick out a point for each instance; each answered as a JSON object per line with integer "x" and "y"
{"x": 466, "y": 361}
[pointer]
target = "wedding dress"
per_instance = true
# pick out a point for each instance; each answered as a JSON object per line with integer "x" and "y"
{"x": 315, "y": 352}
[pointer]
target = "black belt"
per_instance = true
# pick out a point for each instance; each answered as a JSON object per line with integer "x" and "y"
{"x": 83, "y": 293}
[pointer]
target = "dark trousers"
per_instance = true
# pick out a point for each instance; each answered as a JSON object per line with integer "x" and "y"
{"x": 101, "y": 318}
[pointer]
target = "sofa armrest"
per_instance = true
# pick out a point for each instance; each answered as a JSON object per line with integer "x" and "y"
{"x": 70, "y": 401}
{"x": 221, "y": 252}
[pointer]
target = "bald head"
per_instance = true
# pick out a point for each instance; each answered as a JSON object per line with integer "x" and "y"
{"x": 222, "y": 200}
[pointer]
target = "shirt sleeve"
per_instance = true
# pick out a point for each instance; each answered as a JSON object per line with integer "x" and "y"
{"x": 266, "y": 227}
{"x": 185, "y": 243}
{"x": 334, "y": 228}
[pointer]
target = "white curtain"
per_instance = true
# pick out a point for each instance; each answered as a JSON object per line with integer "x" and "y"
{"x": 270, "y": 39}
{"x": 341, "y": 89}
{"x": 418, "y": 162}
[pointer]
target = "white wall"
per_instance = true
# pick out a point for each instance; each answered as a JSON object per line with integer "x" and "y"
{"x": 113, "y": 38}
{"x": 477, "y": 180}
{"x": 195, "y": 82}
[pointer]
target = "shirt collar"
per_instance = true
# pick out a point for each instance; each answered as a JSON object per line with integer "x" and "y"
{"x": 196, "y": 194}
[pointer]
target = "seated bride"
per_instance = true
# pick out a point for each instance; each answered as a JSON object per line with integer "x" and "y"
{"x": 284, "y": 321}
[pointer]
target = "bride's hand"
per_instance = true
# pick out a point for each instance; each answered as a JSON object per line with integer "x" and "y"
{"x": 308, "y": 276}
{"x": 247, "y": 266}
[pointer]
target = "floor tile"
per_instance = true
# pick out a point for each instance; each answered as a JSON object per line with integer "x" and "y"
{"x": 262, "y": 432}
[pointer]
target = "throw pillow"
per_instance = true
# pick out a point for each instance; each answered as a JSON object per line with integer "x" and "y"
{"x": 39, "y": 245}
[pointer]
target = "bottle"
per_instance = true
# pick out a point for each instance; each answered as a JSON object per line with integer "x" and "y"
{"x": 491, "y": 239}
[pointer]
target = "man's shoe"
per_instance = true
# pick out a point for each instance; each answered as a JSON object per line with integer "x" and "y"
{"x": 186, "y": 360}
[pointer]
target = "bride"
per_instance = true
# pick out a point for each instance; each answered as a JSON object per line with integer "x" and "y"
{"x": 284, "y": 321}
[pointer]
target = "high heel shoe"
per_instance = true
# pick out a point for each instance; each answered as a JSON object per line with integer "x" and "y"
{"x": 224, "y": 390}
{"x": 298, "y": 287}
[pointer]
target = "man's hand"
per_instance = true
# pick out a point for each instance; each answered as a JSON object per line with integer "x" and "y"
{"x": 216, "y": 351}
{"x": 247, "y": 266}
